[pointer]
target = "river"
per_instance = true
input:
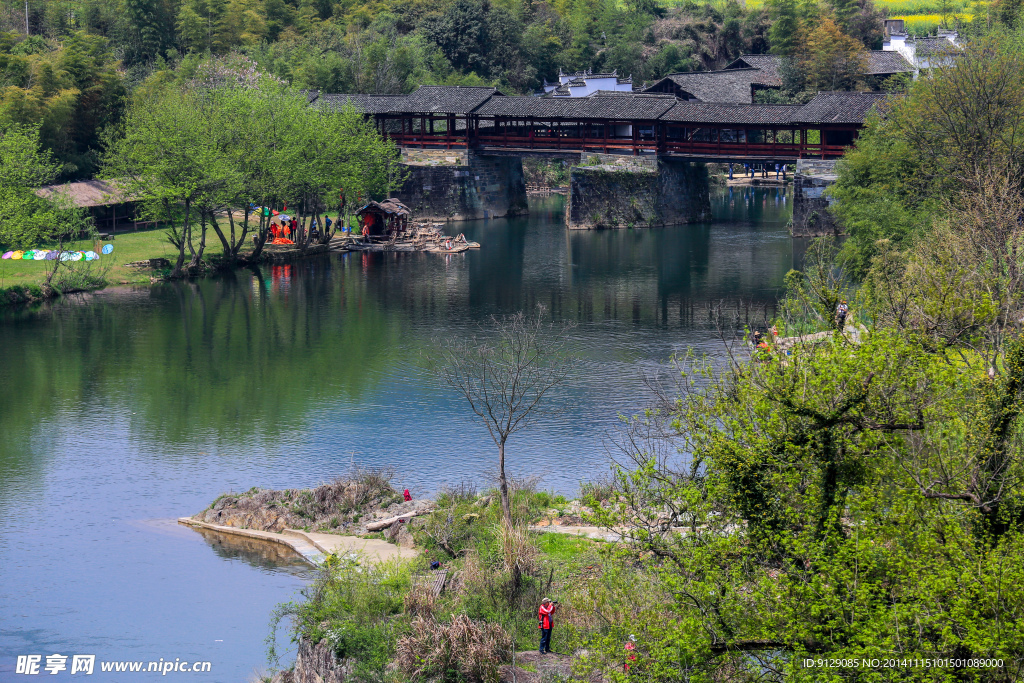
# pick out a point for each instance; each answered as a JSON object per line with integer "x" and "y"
{"x": 127, "y": 408}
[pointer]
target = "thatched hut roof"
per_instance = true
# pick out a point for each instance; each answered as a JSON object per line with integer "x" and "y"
{"x": 389, "y": 207}
{"x": 88, "y": 193}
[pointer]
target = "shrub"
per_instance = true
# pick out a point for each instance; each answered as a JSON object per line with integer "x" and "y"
{"x": 421, "y": 601}
{"x": 464, "y": 492}
{"x": 447, "y": 529}
{"x": 597, "y": 491}
{"x": 347, "y": 592}
{"x": 460, "y": 650}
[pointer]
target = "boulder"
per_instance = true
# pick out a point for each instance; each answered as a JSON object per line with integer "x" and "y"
{"x": 404, "y": 538}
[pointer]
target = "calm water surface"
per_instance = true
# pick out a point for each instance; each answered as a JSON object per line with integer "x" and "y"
{"x": 124, "y": 410}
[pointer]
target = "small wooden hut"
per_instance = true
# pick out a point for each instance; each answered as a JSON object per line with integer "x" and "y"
{"x": 387, "y": 218}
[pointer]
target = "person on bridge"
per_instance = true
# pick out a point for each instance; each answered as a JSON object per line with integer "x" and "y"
{"x": 545, "y": 623}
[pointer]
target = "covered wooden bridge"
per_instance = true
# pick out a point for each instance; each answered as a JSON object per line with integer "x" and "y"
{"x": 484, "y": 119}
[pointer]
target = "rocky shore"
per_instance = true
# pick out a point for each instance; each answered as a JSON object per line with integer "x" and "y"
{"x": 357, "y": 505}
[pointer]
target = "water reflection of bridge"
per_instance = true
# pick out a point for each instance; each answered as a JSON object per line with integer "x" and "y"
{"x": 485, "y": 120}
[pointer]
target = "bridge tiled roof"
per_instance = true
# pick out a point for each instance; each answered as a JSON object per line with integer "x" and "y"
{"x": 732, "y": 85}
{"x": 448, "y": 99}
{"x": 427, "y": 99}
{"x": 839, "y": 107}
{"x": 716, "y": 112}
{"x": 825, "y": 108}
{"x": 368, "y": 104}
{"x": 633, "y": 106}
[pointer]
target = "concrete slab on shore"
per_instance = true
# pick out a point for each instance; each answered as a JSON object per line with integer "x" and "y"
{"x": 371, "y": 547}
{"x": 313, "y": 547}
{"x": 594, "y": 532}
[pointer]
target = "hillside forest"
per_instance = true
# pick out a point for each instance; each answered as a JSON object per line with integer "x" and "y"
{"x": 71, "y": 67}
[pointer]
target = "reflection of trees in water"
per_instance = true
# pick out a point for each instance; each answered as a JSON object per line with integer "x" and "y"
{"x": 251, "y": 356}
{"x": 256, "y": 553}
{"x": 236, "y": 358}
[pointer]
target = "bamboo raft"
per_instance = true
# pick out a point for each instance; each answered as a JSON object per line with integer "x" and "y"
{"x": 423, "y": 237}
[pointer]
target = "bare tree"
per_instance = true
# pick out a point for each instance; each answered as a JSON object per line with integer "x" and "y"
{"x": 505, "y": 376}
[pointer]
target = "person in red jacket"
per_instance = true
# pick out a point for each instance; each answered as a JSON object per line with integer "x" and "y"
{"x": 544, "y": 622}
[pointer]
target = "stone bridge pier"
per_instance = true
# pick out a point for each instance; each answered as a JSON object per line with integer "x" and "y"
{"x": 619, "y": 191}
{"x": 811, "y": 215}
{"x": 462, "y": 185}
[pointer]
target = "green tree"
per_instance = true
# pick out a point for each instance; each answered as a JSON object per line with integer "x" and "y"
{"x": 958, "y": 129}
{"x": 146, "y": 30}
{"x": 26, "y": 219}
{"x": 822, "y": 503}
{"x": 203, "y": 25}
{"x": 167, "y": 158}
{"x": 830, "y": 59}
{"x": 461, "y": 33}
{"x": 784, "y": 34}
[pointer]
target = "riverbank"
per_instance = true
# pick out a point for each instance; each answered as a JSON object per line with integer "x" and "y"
{"x": 397, "y": 576}
{"x": 145, "y": 257}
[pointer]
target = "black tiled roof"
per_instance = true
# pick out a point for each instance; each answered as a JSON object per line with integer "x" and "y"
{"x": 826, "y": 107}
{"x": 876, "y": 62}
{"x": 368, "y": 104}
{"x": 882, "y": 62}
{"x": 635, "y": 106}
{"x": 715, "y": 86}
{"x": 768, "y": 65}
{"x": 934, "y": 45}
{"x": 839, "y": 107}
{"x": 435, "y": 99}
{"x": 716, "y": 112}
{"x": 448, "y": 99}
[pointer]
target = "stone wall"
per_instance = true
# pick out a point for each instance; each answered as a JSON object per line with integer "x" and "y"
{"x": 625, "y": 192}
{"x": 811, "y": 215}
{"x": 435, "y": 157}
{"x": 451, "y": 185}
{"x": 316, "y": 664}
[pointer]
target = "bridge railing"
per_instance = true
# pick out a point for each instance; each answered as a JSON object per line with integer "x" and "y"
{"x": 552, "y": 140}
{"x": 436, "y": 141}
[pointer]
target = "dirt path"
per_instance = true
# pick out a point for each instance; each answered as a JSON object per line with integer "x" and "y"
{"x": 533, "y": 667}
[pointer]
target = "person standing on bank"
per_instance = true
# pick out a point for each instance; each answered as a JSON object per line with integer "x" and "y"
{"x": 545, "y": 622}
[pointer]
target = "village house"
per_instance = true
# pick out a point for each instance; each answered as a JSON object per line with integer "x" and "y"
{"x": 740, "y": 80}
{"x": 920, "y": 53}
{"x": 584, "y": 83}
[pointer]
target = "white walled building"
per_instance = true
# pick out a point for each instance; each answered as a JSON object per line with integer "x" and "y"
{"x": 584, "y": 83}
{"x": 923, "y": 53}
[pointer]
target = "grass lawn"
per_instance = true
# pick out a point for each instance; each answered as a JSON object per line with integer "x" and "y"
{"x": 128, "y": 247}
